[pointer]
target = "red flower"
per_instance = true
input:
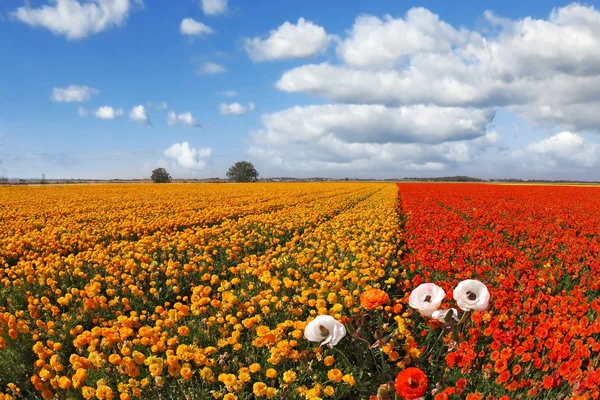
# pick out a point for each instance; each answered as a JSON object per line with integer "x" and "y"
{"x": 373, "y": 298}
{"x": 411, "y": 383}
{"x": 548, "y": 382}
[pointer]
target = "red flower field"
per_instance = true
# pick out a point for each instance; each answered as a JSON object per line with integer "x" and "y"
{"x": 537, "y": 248}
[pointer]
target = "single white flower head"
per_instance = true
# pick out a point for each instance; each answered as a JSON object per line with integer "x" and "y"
{"x": 445, "y": 316}
{"x": 471, "y": 294}
{"x": 426, "y": 298}
{"x": 325, "y": 329}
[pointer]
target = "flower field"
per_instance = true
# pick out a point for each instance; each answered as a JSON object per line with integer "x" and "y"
{"x": 299, "y": 291}
{"x": 538, "y": 250}
{"x": 202, "y": 291}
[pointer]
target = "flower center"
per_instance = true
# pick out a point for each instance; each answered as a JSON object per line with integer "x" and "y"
{"x": 471, "y": 296}
{"x": 412, "y": 383}
{"x": 427, "y": 299}
{"x": 324, "y": 331}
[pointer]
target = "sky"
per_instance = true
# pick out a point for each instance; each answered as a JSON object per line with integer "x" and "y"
{"x": 105, "y": 89}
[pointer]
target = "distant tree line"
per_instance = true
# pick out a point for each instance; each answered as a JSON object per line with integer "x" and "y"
{"x": 459, "y": 178}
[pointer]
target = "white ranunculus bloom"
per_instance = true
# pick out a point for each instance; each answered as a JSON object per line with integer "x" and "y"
{"x": 325, "y": 328}
{"x": 426, "y": 298}
{"x": 472, "y": 295}
{"x": 445, "y": 316}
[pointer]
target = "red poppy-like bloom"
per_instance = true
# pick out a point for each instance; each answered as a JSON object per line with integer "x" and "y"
{"x": 373, "y": 298}
{"x": 411, "y": 383}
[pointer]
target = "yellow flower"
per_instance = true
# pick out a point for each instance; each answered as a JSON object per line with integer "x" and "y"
{"x": 259, "y": 389}
{"x": 271, "y": 373}
{"x": 349, "y": 379}
{"x": 254, "y": 368}
{"x": 289, "y": 376}
{"x": 227, "y": 379}
{"x": 329, "y": 391}
{"x": 88, "y": 392}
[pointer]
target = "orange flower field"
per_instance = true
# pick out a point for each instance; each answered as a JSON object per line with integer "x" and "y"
{"x": 299, "y": 291}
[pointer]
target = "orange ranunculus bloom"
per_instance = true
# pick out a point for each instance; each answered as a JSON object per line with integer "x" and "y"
{"x": 373, "y": 298}
{"x": 411, "y": 383}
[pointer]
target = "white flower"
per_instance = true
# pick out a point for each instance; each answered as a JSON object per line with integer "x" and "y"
{"x": 325, "y": 328}
{"x": 426, "y": 298}
{"x": 445, "y": 316}
{"x": 472, "y": 295}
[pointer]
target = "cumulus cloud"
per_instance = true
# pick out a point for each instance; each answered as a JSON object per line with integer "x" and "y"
{"x": 214, "y": 7}
{"x": 139, "y": 114}
{"x": 525, "y": 67}
{"x": 210, "y": 68}
{"x": 329, "y": 153}
{"x": 360, "y": 123}
{"x": 566, "y": 147}
{"x": 188, "y": 157}
{"x": 73, "y": 93}
{"x": 300, "y": 40}
{"x": 376, "y": 42}
{"x": 108, "y": 112}
{"x": 416, "y": 82}
{"x": 191, "y": 27}
{"x": 74, "y": 19}
{"x": 235, "y": 108}
{"x": 184, "y": 119}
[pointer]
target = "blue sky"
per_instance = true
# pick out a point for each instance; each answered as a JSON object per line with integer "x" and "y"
{"x": 361, "y": 89}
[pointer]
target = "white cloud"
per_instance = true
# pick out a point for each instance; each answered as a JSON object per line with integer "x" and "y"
{"x": 230, "y": 93}
{"x": 338, "y": 157}
{"x": 108, "y": 112}
{"x": 185, "y": 119}
{"x": 377, "y": 42}
{"x": 235, "y": 108}
{"x": 525, "y": 67}
{"x": 567, "y": 147}
{"x": 139, "y": 114}
{"x": 191, "y": 27}
{"x": 210, "y": 68}
{"x": 416, "y": 93}
{"x": 75, "y": 19}
{"x": 214, "y": 7}
{"x": 82, "y": 111}
{"x": 188, "y": 157}
{"x": 374, "y": 124}
{"x": 303, "y": 39}
{"x": 73, "y": 93}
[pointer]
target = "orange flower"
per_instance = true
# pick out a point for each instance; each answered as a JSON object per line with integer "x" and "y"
{"x": 186, "y": 373}
{"x": 373, "y": 298}
{"x": 411, "y": 383}
{"x": 335, "y": 375}
{"x": 500, "y": 366}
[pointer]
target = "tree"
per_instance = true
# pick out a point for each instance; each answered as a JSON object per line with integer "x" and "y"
{"x": 160, "y": 175}
{"x": 242, "y": 171}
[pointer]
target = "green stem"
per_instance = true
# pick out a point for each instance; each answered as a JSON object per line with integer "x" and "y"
{"x": 432, "y": 348}
{"x": 369, "y": 349}
{"x": 343, "y": 356}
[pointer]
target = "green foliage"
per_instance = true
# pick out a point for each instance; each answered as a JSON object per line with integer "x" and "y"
{"x": 242, "y": 171}
{"x": 160, "y": 175}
